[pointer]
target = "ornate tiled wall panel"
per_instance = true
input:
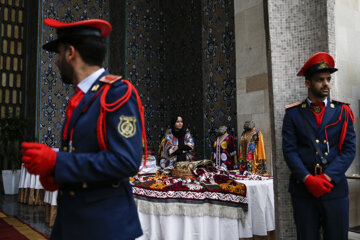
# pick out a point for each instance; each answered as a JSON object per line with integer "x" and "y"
{"x": 181, "y": 56}
{"x": 183, "y": 74}
{"x": 163, "y": 60}
{"x": 144, "y": 58}
{"x": 52, "y": 94}
{"x": 218, "y": 56}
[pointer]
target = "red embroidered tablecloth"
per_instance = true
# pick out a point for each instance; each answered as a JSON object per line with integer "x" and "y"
{"x": 208, "y": 193}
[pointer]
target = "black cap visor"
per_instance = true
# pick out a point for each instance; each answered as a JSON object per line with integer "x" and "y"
{"x": 66, "y": 34}
{"x": 318, "y": 68}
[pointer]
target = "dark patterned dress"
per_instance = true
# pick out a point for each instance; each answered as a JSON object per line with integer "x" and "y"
{"x": 224, "y": 152}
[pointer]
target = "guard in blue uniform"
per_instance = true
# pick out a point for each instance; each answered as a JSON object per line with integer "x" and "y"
{"x": 319, "y": 145}
{"x": 101, "y": 143}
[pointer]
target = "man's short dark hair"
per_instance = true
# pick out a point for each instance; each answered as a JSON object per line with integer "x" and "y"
{"x": 308, "y": 77}
{"x": 92, "y": 49}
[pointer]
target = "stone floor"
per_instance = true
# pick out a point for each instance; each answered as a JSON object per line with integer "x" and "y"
{"x": 35, "y": 215}
{"x": 354, "y": 236}
{"x": 32, "y": 215}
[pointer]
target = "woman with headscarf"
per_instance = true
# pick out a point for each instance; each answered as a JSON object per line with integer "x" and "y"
{"x": 179, "y": 144}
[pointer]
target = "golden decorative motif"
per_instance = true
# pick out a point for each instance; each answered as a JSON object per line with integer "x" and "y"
{"x": 158, "y": 185}
{"x": 224, "y": 145}
{"x": 233, "y": 187}
{"x": 127, "y": 126}
{"x": 332, "y": 105}
{"x": 303, "y": 105}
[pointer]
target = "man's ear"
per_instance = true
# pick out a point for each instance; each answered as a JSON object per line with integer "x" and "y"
{"x": 307, "y": 83}
{"x": 70, "y": 52}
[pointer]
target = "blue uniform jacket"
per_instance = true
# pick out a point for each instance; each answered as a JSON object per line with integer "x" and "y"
{"x": 300, "y": 155}
{"x": 104, "y": 212}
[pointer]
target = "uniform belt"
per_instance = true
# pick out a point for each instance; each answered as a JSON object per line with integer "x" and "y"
{"x": 89, "y": 185}
{"x": 317, "y": 169}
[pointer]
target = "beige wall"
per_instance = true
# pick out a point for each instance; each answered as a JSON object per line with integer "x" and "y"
{"x": 251, "y": 69}
{"x": 347, "y": 81}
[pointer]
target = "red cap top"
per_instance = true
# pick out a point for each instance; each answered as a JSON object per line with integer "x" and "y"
{"x": 320, "y": 61}
{"x": 102, "y": 25}
{"x": 90, "y": 27}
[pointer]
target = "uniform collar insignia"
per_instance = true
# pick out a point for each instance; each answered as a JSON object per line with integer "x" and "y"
{"x": 317, "y": 109}
{"x": 95, "y": 87}
{"x": 332, "y": 105}
{"x": 303, "y": 105}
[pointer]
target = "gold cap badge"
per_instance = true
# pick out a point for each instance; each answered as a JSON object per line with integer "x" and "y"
{"x": 323, "y": 64}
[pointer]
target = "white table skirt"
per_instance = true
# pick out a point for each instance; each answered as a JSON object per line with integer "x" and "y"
{"x": 51, "y": 198}
{"x": 259, "y": 219}
{"x": 28, "y": 180}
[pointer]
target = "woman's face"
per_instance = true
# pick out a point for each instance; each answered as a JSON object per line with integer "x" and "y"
{"x": 179, "y": 123}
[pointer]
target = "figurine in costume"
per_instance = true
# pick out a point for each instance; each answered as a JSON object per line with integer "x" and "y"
{"x": 224, "y": 153}
{"x": 252, "y": 150}
{"x": 101, "y": 144}
{"x": 160, "y": 156}
{"x": 179, "y": 144}
{"x": 319, "y": 145}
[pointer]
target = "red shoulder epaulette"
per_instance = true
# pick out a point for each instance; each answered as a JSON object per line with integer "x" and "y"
{"x": 333, "y": 100}
{"x": 110, "y": 79}
{"x": 110, "y": 107}
{"x": 293, "y": 105}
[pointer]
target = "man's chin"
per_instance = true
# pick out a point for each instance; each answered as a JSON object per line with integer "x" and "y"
{"x": 323, "y": 94}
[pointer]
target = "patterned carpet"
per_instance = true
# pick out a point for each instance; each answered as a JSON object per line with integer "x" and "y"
{"x": 12, "y": 228}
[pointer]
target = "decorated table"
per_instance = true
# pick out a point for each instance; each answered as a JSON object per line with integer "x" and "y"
{"x": 209, "y": 205}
